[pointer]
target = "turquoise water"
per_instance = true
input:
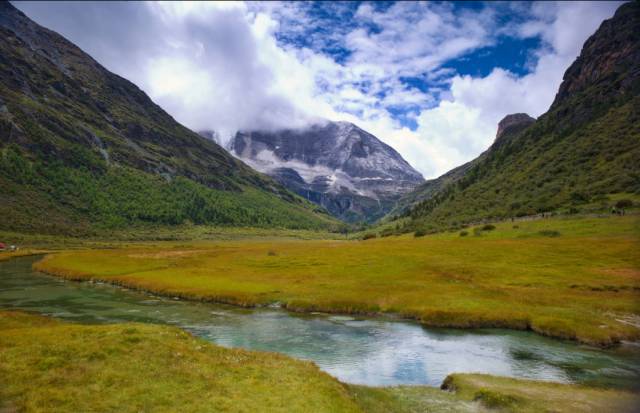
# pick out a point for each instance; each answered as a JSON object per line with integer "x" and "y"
{"x": 355, "y": 350}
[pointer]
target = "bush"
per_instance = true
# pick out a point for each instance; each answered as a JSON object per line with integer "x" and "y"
{"x": 387, "y": 232}
{"x": 516, "y": 226}
{"x": 271, "y": 253}
{"x": 495, "y": 400}
{"x": 579, "y": 197}
{"x": 488, "y": 227}
{"x": 624, "y": 203}
{"x": 463, "y": 233}
{"x": 549, "y": 233}
{"x": 369, "y": 236}
{"x": 420, "y": 233}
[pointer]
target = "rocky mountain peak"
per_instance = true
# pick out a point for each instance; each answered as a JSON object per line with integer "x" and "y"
{"x": 610, "y": 57}
{"x": 513, "y": 123}
{"x": 336, "y": 164}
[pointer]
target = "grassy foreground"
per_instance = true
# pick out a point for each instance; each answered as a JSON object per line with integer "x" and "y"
{"x": 576, "y": 279}
{"x": 48, "y": 365}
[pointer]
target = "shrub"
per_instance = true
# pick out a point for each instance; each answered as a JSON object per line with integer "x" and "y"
{"x": 477, "y": 232}
{"x": 624, "y": 203}
{"x": 369, "y": 236}
{"x": 387, "y": 232}
{"x": 271, "y": 253}
{"x": 579, "y": 197}
{"x": 463, "y": 233}
{"x": 516, "y": 226}
{"x": 488, "y": 227}
{"x": 493, "y": 399}
{"x": 549, "y": 233}
{"x": 420, "y": 233}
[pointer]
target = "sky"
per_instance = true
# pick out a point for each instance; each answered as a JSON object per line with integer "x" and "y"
{"x": 430, "y": 79}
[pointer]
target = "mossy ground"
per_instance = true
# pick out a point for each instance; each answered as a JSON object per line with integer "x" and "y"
{"x": 583, "y": 283}
{"x": 52, "y": 366}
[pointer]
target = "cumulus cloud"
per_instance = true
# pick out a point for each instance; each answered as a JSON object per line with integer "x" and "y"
{"x": 202, "y": 62}
{"x": 230, "y": 66}
{"x": 460, "y": 128}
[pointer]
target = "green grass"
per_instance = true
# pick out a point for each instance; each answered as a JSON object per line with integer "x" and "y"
{"x": 48, "y": 365}
{"x": 581, "y": 285}
{"x": 507, "y": 394}
{"x": 162, "y": 236}
{"x": 411, "y": 399}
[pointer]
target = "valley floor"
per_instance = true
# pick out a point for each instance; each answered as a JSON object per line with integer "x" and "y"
{"x": 48, "y": 365}
{"x": 572, "y": 278}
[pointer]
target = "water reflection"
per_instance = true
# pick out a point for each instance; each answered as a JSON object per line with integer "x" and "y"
{"x": 373, "y": 352}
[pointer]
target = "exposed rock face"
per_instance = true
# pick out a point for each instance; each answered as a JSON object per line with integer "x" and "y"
{"x": 610, "y": 57}
{"x": 513, "y": 124}
{"x": 335, "y": 164}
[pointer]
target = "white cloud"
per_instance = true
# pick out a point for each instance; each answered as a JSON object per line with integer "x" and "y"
{"x": 457, "y": 130}
{"x": 220, "y": 65}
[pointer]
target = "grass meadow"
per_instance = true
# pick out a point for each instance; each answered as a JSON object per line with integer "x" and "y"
{"x": 572, "y": 278}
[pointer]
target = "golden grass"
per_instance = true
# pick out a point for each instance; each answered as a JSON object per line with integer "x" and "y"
{"x": 578, "y": 285}
{"x": 7, "y": 255}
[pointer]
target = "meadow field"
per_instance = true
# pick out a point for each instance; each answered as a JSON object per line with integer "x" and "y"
{"x": 573, "y": 278}
{"x": 49, "y": 365}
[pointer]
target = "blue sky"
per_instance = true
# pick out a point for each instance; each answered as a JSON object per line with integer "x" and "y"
{"x": 430, "y": 79}
{"x": 327, "y": 24}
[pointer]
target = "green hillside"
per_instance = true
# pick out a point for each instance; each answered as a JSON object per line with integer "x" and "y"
{"x": 82, "y": 149}
{"x": 582, "y": 154}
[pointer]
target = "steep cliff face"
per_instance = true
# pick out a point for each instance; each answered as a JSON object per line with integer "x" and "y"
{"x": 608, "y": 60}
{"x": 584, "y": 148}
{"x": 335, "y": 164}
{"x": 81, "y": 147}
{"x": 512, "y": 124}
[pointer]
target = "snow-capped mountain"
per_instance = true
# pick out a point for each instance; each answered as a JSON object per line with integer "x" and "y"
{"x": 347, "y": 170}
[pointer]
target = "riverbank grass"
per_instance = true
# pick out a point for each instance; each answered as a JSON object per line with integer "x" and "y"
{"x": 576, "y": 278}
{"x": 507, "y": 394}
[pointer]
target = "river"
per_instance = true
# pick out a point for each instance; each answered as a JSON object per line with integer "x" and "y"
{"x": 375, "y": 352}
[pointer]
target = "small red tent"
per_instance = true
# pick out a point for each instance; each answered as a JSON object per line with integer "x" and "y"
{"x": 2, "y": 245}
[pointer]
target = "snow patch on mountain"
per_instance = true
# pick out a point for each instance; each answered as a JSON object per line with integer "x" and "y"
{"x": 335, "y": 164}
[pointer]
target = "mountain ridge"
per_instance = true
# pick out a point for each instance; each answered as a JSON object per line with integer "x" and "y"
{"x": 585, "y": 147}
{"x": 93, "y": 150}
